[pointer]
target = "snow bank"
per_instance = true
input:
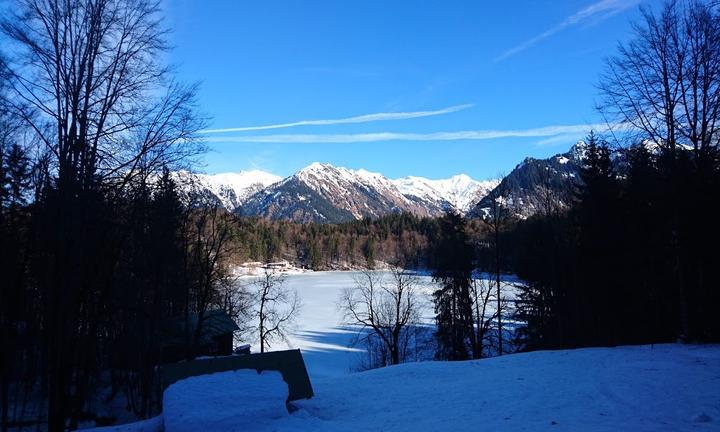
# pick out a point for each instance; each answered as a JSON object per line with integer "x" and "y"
{"x": 638, "y": 388}
{"x": 226, "y": 401}
{"x": 154, "y": 424}
{"x": 668, "y": 387}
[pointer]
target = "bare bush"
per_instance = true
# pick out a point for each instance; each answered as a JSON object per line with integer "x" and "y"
{"x": 275, "y": 308}
{"x": 386, "y": 311}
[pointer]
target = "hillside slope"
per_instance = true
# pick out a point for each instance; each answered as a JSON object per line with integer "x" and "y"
{"x": 527, "y": 187}
{"x": 327, "y": 194}
{"x": 634, "y": 388}
{"x": 459, "y": 193}
{"x": 638, "y": 388}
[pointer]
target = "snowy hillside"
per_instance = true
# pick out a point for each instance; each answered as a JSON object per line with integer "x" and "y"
{"x": 634, "y": 388}
{"x": 229, "y": 190}
{"x": 461, "y": 192}
{"x": 325, "y": 193}
{"x": 243, "y": 183}
{"x": 534, "y": 182}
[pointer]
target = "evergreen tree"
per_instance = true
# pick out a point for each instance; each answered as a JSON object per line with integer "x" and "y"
{"x": 452, "y": 269}
{"x": 369, "y": 251}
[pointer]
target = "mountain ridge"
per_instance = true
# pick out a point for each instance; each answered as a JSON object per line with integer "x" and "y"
{"x": 321, "y": 192}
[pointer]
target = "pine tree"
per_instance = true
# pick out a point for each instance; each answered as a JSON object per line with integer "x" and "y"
{"x": 452, "y": 269}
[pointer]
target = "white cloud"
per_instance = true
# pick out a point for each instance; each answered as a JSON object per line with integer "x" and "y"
{"x": 366, "y": 118}
{"x": 476, "y": 135}
{"x": 600, "y": 10}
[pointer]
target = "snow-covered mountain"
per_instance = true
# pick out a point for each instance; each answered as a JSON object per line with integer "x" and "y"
{"x": 459, "y": 192}
{"x": 536, "y": 183}
{"x": 229, "y": 190}
{"x": 541, "y": 185}
{"x": 326, "y": 193}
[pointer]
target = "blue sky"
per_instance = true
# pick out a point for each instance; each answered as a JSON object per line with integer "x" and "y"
{"x": 430, "y": 88}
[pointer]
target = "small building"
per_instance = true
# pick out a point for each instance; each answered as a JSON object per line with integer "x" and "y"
{"x": 278, "y": 265}
{"x": 215, "y": 338}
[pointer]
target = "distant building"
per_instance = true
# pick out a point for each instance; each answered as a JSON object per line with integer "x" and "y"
{"x": 279, "y": 265}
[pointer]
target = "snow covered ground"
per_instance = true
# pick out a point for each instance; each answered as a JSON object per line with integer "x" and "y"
{"x": 668, "y": 387}
{"x": 638, "y": 388}
{"x": 225, "y": 401}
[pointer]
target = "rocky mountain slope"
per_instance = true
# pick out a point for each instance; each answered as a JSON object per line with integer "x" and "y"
{"x": 537, "y": 183}
{"x": 328, "y": 194}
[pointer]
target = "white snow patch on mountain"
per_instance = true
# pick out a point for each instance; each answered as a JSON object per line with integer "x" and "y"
{"x": 243, "y": 182}
{"x": 461, "y": 191}
{"x": 230, "y": 189}
{"x": 353, "y": 190}
{"x": 319, "y": 176}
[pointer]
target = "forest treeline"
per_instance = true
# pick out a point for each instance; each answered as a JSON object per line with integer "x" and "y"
{"x": 97, "y": 252}
{"x": 402, "y": 239}
{"x": 631, "y": 262}
{"x": 635, "y": 259}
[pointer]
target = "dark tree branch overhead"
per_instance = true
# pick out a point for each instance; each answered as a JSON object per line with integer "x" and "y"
{"x": 665, "y": 82}
{"x": 90, "y": 84}
{"x": 86, "y": 79}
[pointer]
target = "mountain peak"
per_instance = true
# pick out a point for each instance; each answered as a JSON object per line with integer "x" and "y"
{"x": 461, "y": 176}
{"x": 578, "y": 150}
{"x": 322, "y": 192}
{"x": 228, "y": 189}
{"x": 459, "y": 192}
{"x": 316, "y": 166}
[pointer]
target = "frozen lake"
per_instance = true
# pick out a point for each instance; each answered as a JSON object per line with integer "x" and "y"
{"x": 325, "y": 341}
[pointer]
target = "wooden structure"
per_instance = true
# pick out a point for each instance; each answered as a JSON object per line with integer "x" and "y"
{"x": 289, "y": 363}
{"x": 215, "y": 338}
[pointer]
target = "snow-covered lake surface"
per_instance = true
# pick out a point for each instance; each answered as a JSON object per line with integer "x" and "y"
{"x": 320, "y": 333}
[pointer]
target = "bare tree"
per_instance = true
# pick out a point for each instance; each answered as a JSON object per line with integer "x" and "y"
{"x": 388, "y": 309}
{"x": 496, "y": 218}
{"x": 209, "y": 242}
{"x": 276, "y": 308}
{"x": 88, "y": 81}
{"x": 236, "y": 300}
{"x": 482, "y": 296}
{"x": 666, "y": 81}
